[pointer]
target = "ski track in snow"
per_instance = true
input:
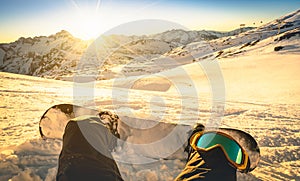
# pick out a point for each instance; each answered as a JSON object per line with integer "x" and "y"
{"x": 24, "y": 156}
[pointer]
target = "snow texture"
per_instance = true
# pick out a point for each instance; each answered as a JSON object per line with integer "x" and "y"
{"x": 260, "y": 69}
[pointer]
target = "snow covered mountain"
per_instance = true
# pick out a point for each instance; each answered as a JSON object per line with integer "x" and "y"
{"x": 42, "y": 56}
{"x": 282, "y": 34}
{"x": 57, "y": 56}
{"x": 185, "y": 37}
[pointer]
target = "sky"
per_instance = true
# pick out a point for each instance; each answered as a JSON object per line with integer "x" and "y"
{"x": 88, "y": 19}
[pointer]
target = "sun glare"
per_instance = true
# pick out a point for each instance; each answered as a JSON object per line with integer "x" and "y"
{"x": 86, "y": 21}
{"x": 89, "y": 26}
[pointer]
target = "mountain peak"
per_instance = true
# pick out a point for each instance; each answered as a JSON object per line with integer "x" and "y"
{"x": 63, "y": 33}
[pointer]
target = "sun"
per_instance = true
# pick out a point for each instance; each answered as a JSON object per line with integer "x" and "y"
{"x": 86, "y": 20}
{"x": 89, "y": 26}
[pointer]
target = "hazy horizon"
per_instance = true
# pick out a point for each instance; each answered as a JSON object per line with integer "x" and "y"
{"x": 129, "y": 34}
{"x": 89, "y": 19}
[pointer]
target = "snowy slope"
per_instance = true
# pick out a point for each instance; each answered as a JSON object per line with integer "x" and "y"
{"x": 274, "y": 124}
{"x": 260, "y": 70}
{"x": 280, "y": 34}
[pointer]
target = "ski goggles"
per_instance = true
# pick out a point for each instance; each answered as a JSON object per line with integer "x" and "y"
{"x": 235, "y": 154}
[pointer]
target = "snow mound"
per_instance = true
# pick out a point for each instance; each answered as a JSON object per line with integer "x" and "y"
{"x": 149, "y": 83}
